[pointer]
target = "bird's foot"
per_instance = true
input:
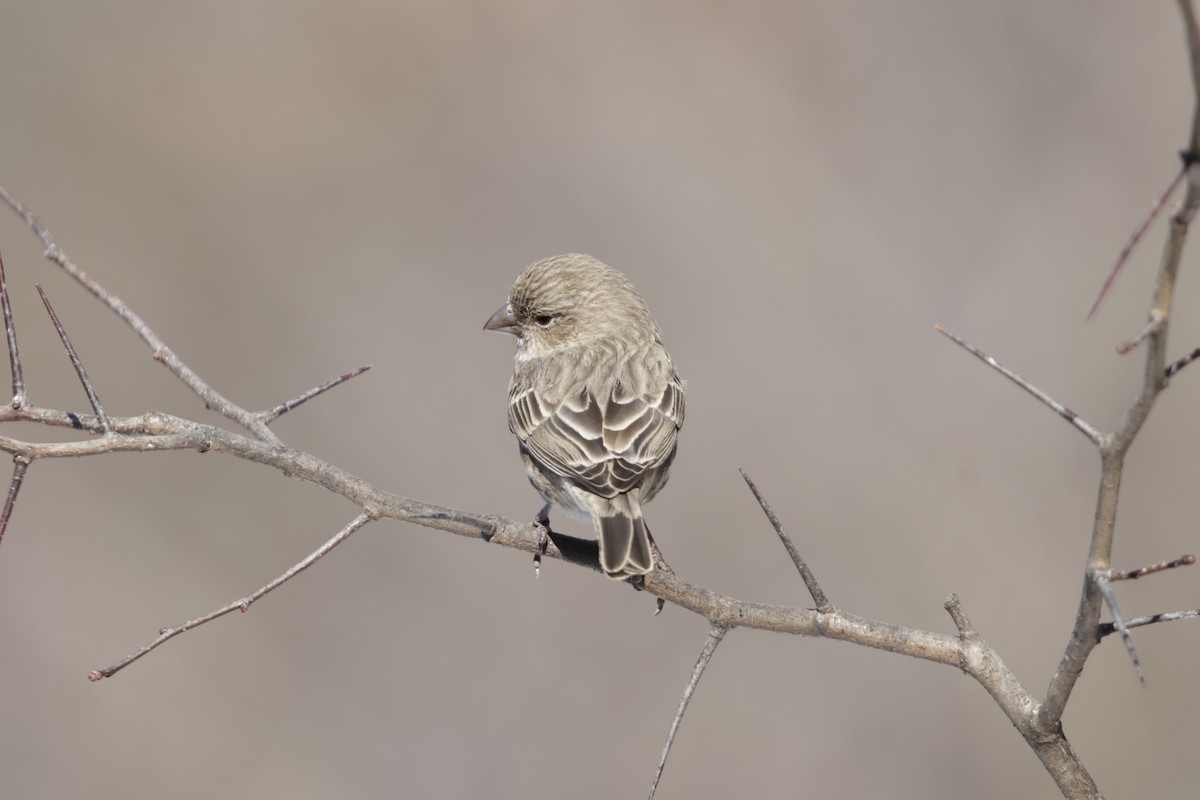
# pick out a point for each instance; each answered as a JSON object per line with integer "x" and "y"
{"x": 638, "y": 582}
{"x": 659, "y": 561}
{"x": 542, "y": 523}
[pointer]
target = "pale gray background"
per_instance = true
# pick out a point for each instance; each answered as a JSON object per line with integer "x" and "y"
{"x": 286, "y": 190}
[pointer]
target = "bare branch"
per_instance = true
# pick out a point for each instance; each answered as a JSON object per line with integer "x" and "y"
{"x": 211, "y": 397}
{"x": 1070, "y": 416}
{"x": 157, "y": 432}
{"x": 1111, "y": 599}
{"x": 271, "y": 415}
{"x": 1136, "y": 236}
{"x": 1084, "y": 635}
{"x": 1134, "y": 574}
{"x": 715, "y": 634}
{"x": 982, "y": 663}
{"x": 965, "y": 629}
{"x": 1179, "y": 364}
{"x": 1107, "y": 628}
{"x": 77, "y": 364}
{"x": 1129, "y": 345}
{"x": 810, "y": 580}
{"x": 20, "y": 464}
{"x": 10, "y": 332}
{"x": 1192, "y": 32}
{"x": 243, "y": 605}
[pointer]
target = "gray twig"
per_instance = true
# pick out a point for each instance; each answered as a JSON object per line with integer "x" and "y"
{"x": 810, "y": 580}
{"x": 270, "y": 415}
{"x": 954, "y": 607}
{"x": 1136, "y": 236}
{"x": 715, "y": 634}
{"x": 1180, "y": 363}
{"x": 1110, "y": 599}
{"x": 20, "y": 464}
{"x": 1070, "y": 416}
{"x": 10, "y": 332}
{"x": 1108, "y": 628}
{"x": 211, "y": 397}
{"x": 77, "y": 364}
{"x": 1133, "y": 574}
{"x": 1129, "y": 345}
{"x": 166, "y": 634}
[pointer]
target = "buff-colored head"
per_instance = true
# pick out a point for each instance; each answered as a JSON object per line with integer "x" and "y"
{"x": 571, "y": 301}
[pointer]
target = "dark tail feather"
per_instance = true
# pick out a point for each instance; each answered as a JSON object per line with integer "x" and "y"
{"x": 624, "y": 540}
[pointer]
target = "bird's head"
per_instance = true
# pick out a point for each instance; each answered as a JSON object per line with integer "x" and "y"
{"x": 571, "y": 301}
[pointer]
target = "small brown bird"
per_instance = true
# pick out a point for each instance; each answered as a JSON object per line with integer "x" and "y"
{"x": 594, "y": 400}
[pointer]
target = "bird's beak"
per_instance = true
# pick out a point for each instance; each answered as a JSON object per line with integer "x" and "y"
{"x": 503, "y": 322}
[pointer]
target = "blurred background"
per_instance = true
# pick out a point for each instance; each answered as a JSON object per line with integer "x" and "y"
{"x": 286, "y": 190}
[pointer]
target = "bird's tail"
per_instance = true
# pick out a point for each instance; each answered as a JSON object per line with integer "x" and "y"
{"x": 624, "y": 539}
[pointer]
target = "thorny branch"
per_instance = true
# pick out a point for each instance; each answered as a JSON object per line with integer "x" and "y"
{"x": 1038, "y": 722}
{"x": 20, "y": 464}
{"x": 1133, "y": 574}
{"x": 14, "y": 357}
{"x": 715, "y": 634}
{"x": 155, "y": 432}
{"x": 1137, "y": 235}
{"x": 77, "y": 364}
{"x": 211, "y": 397}
{"x": 806, "y": 574}
{"x": 1182, "y": 362}
{"x": 1084, "y": 636}
{"x": 1112, "y": 447}
{"x": 1070, "y": 416}
{"x": 270, "y": 415}
{"x": 242, "y": 604}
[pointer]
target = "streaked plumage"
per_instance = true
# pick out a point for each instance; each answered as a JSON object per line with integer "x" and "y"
{"x": 594, "y": 400}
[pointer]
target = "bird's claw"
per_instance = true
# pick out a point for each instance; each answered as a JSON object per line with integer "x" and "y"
{"x": 542, "y": 523}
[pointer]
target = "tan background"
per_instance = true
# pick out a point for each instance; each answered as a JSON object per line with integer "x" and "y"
{"x": 286, "y": 190}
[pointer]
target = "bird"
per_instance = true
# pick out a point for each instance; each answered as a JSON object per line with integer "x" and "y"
{"x": 594, "y": 401}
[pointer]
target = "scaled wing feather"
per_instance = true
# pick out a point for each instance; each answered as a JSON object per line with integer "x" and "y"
{"x": 605, "y": 441}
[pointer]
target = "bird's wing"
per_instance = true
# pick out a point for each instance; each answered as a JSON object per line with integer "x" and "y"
{"x": 604, "y": 439}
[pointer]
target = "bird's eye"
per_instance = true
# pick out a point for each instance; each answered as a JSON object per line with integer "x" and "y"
{"x": 543, "y": 319}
